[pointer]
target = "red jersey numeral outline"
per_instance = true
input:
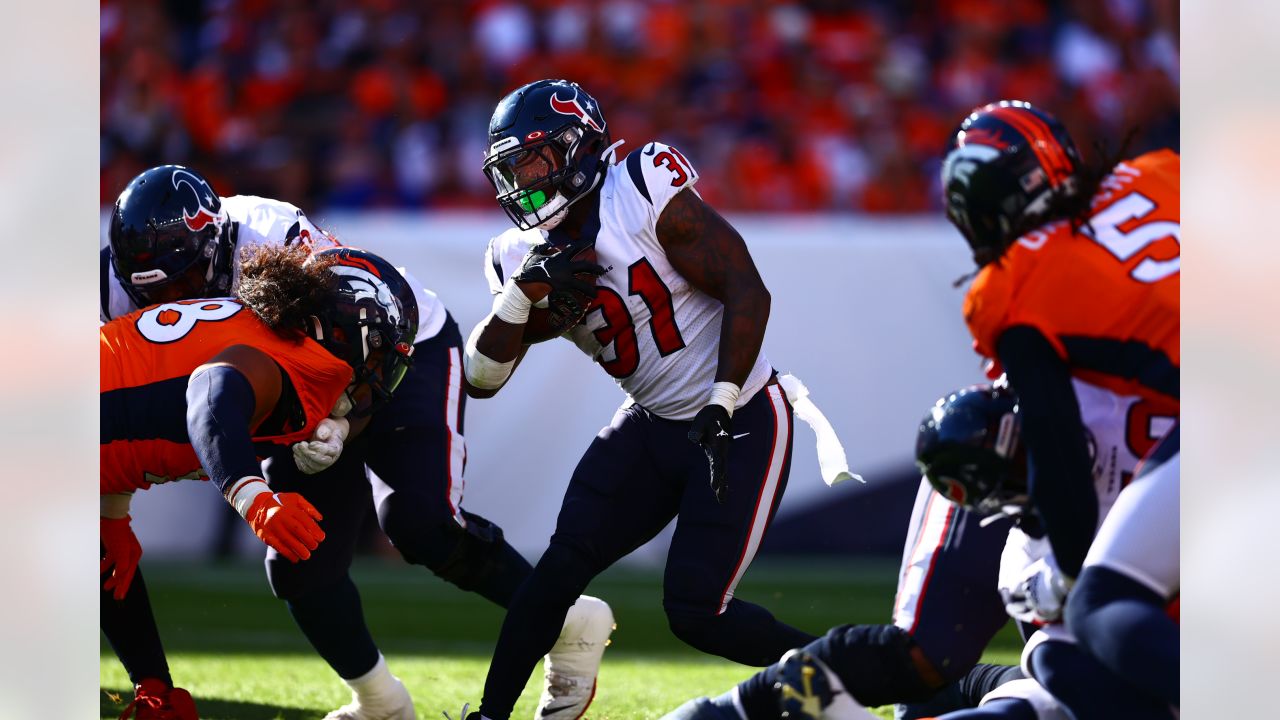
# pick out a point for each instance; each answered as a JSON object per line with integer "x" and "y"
{"x": 676, "y": 163}
{"x": 619, "y": 327}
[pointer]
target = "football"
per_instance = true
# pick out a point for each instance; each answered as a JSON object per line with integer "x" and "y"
{"x": 544, "y": 324}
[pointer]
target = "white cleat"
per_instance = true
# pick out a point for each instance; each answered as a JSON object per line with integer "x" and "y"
{"x": 393, "y": 703}
{"x": 569, "y": 684}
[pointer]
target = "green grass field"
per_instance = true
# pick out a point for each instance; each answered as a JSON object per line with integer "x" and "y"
{"x": 237, "y": 650}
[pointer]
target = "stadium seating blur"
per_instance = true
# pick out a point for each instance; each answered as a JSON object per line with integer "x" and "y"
{"x": 783, "y": 106}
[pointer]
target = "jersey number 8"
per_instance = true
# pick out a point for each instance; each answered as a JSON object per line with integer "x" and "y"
{"x": 171, "y": 322}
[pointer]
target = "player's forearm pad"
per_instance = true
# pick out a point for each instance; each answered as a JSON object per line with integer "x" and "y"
{"x": 512, "y": 305}
{"x": 483, "y": 371}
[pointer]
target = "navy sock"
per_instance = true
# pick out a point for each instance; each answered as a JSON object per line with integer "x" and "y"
{"x": 333, "y": 620}
{"x": 1123, "y": 624}
{"x": 1088, "y": 689}
{"x": 757, "y": 695}
{"x": 130, "y": 627}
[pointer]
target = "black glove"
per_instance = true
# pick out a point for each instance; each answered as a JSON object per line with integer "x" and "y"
{"x": 557, "y": 268}
{"x": 712, "y": 428}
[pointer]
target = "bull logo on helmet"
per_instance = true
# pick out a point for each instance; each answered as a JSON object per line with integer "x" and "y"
{"x": 571, "y": 107}
{"x": 197, "y": 211}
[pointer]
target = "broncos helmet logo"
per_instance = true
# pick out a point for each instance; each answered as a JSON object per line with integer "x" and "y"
{"x": 365, "y": 283}
{"x": 197, "y": 211}
{"x": 571, "y": 107}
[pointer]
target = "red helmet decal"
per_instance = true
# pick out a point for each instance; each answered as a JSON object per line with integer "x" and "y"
{"x": 201, "y": 198}
{"x": 982, "y": 136}
{"x": 955, "y": 491}
{"x": 534, "y": 135}
{"x": 571, "y": 107}
{"x": 353, "y": 261}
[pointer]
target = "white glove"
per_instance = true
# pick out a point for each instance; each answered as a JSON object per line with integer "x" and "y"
{"x": 1039, "y": 595}
{"x": 324, "y": 448}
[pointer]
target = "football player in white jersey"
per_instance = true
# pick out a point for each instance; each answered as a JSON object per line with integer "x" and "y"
{"x": 172, "y": 237}
{"x": 969, "y": 449}
{"x": 676, "y": 316}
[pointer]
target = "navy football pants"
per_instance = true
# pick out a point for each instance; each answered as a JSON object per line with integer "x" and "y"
{"x": 414, "y": 446}
{"x": 640, "y": 473}
{"x": 947, "y": 598}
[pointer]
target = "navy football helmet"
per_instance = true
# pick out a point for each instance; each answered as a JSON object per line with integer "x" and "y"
{"x": 547, "y": 142}
{"x": 1005, "y": 168}
{"x": 169, "y": 238}
{"x": 369, "y": 320}
{"x": 970, "y": 450}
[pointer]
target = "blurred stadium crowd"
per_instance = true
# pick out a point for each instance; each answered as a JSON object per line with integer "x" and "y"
{"x": 783, "y": 106}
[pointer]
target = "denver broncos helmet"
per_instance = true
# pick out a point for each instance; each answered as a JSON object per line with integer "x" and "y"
{"x": 169, "y": 238}
{"x": 369, "y": 319}
{"x": 547, "y": 142}
{"x": 1004, "y": 168}
{"x": 969, "y": 449}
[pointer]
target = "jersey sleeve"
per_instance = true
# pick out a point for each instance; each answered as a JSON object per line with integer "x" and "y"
{"x": 306, "y": 232}
{"x": 113, "y": 301}
{"x": 505, "y": 254}
{"x": 986, "y": 309}
{"x": 659, "y": 171}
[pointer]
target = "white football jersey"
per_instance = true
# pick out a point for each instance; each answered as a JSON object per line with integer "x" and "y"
{"x": 255, "y": 221}
{"x": 1121, "y": 430}
{"x": 657, "y": 335}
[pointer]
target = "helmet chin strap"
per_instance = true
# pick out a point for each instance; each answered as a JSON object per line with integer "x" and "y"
{"x": 610, "y": 158}
{"x": 609, "y": 155}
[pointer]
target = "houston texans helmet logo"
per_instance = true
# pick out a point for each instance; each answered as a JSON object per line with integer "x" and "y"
{"x": 197, "y": 205}
{"x": 571, "y": 107}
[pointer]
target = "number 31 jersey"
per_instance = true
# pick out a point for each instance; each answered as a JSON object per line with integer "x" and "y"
{"x": 657, "y": 335}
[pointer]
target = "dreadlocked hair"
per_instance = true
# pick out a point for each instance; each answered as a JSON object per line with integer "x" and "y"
{"x": 1076, "y": 207}
{"x": 281, "y": 288}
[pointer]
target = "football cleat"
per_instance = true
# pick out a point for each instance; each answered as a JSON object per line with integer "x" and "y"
{"x": 569, "y": 684}
{"x": 393, "y": 705}
{"x": 154, "y": 700}
{"x": 808, "y": 690}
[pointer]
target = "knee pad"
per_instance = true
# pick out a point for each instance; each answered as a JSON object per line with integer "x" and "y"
{"x": 878, "y": 664}
{"x": 464, "y": 556}
{"x": 429, "y": 543}
{"x": 290, "y": 580}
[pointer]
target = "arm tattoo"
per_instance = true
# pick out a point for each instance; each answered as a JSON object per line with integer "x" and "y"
{"x": 710, "y": 254}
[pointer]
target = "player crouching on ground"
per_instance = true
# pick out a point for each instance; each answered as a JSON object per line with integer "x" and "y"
{"x": 194, "y": 390}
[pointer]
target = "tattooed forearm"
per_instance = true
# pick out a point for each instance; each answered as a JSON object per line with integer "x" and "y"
{"x": 710, "y": 254}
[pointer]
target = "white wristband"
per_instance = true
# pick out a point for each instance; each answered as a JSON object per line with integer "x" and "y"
{"x": 481, "y": 370}
{"x": 512, "y": 306}
{"x": 724, "y": 394}
{"x": 243, "y": 491}
{"x": 115, "y": 505}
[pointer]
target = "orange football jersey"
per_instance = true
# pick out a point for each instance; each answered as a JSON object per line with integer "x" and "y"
{"x": 146, "y": 359}
{"x": 1108, "y": 299}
